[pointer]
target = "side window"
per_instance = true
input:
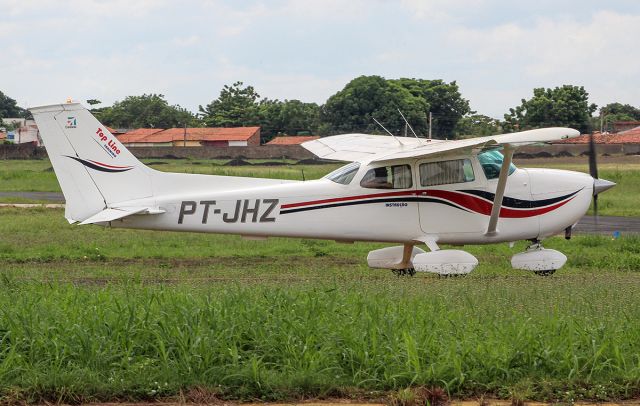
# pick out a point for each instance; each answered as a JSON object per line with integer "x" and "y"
{"x": 445, "y": 172}
{"x": 388, "y": 177}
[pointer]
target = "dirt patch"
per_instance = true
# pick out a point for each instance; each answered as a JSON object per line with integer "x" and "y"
{"x": 203, "y": 262}
{"x": 351, "y": 402}
{"x": 272, "y": 163}
{"x": 238, "y": 162}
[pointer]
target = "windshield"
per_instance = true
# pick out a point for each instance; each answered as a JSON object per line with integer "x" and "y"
{"x": 491, "y": 162}
{"x": 344, "y": 175}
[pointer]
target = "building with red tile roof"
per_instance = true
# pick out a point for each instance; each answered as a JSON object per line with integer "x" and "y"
{"x": 292, "y": 139}
{"x": 115, "y": 131}
{"x": 192, "y": 137}
{"x": 142, "y": 138}
{"x": 631, "y": 136}
{"x": 619, "y": 126}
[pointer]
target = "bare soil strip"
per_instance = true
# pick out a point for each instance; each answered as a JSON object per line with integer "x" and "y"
{"x": 343, "y": 402}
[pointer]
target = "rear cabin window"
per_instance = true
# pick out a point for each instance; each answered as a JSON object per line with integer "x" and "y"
{"x": 388, "y": 177}
{"x": 445, "y": 172}
{"x": 344, "y": 175}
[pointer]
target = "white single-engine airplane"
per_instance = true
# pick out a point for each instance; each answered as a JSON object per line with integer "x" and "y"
{"x": 409, "y": 191}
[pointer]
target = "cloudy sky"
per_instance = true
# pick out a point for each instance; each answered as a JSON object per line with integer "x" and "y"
{"x": 497, "y": 51}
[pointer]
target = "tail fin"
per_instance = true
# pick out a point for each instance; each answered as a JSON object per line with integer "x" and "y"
{"x": 94, "y": 169}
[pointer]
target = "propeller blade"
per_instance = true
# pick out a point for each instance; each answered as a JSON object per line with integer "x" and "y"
{"x": 593, "y": 165}
{"x": 595, "y": 207}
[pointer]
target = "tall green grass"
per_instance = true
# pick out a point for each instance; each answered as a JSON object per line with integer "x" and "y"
{"x": 555, "y": 339}
{"x": 99, "y": 314}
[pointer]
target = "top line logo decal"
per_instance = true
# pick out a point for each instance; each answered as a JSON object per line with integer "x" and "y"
{"x": 107, "y": 143}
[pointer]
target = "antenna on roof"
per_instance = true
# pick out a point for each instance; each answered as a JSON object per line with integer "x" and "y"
{"x": 388, "y": 132}
{"x": 408, "y": 125}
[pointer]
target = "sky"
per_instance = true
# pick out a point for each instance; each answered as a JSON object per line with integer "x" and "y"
{"x": 497, "y": 51}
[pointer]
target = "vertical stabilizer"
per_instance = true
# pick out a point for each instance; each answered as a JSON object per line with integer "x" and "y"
{"x": 94, "y": 169}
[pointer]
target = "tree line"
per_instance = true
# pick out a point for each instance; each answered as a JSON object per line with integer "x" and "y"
{"x": 354, "y": 108}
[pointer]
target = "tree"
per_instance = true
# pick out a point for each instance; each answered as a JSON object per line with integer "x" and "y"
{"x": 613, "y": 112}
{"x": 290, "y": 117}
{"x": 94, "y": 101}
{"x": 446, "y": 104}
{"x": 148, "y": 110}
{"x": 9, "y": 108}
{"x": 566, "y": 106}
{"x": 367, "y": 97}
{"x": 623, "y": 110}
{"x": 236, "y": 106}
{"x": 477, "y": 125}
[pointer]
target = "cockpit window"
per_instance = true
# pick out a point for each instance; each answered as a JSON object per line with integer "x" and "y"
{"x": 491, "y": 162}
{"x": 344, "y": 175}
{"x": 388, "y": 177}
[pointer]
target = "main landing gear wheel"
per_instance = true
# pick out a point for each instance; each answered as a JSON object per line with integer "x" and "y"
{"x": 404, "y": 272}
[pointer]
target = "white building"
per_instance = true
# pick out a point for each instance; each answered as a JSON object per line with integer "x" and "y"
{"x": 25, "y": 131}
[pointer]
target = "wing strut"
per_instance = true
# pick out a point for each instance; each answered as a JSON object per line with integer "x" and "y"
{"x": 502, "y": 183}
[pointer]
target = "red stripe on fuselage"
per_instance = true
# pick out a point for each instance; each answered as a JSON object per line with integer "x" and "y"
{"x": 473, "y": 203}
{"x": 349, "y": 198}
{"x": 482, "y": 206}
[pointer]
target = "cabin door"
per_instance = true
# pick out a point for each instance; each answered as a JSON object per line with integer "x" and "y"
{"x": 446, "y": 194}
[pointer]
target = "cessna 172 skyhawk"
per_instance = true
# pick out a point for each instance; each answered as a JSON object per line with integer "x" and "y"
{"x": 409, "y": 191}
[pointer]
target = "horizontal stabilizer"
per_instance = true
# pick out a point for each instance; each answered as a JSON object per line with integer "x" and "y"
{"x": 112, "y": 214}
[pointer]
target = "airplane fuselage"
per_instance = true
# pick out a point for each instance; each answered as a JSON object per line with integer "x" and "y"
{"x": 537, "y": 203}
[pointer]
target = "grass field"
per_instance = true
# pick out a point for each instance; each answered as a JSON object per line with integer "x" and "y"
{"x": 94, "y": 314}
{"x": 37, "y": 176}
{"x": 110, "y": 314}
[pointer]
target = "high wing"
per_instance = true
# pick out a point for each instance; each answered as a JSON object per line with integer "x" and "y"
{"x": 356, "y": 147}
{"x": 376, "y": 148}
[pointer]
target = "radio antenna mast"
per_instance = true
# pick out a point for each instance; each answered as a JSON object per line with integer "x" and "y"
{"x": 408, "y": 125}
{"x": 388, "y": 132}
